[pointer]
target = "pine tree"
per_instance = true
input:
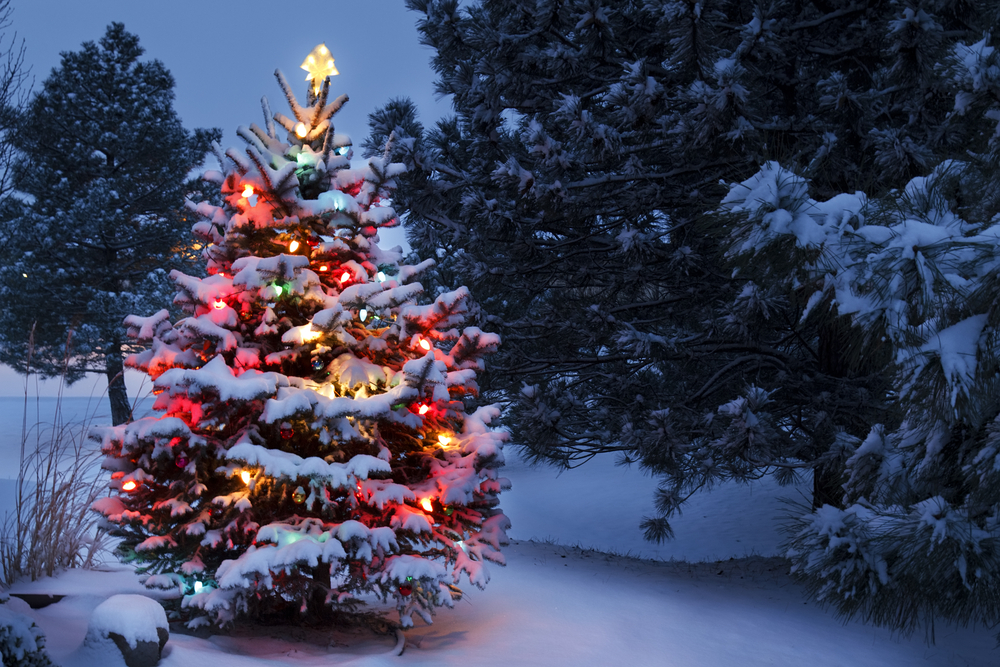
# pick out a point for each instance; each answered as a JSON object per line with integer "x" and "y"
{"x": 572, "y": 188}
{"x": 103, "y": 160}
{"x": 314, "y": 447}
{"x": 915, "y": 534}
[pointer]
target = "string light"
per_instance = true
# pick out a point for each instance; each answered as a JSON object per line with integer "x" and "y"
{"x": 345, "y": 277}
{"x": 245, "y": 476}
{"x": 248, "y": 191}
{"x": 129, "y": 485}
{"x": 197, "y": 587}
{"x": 424, "y": 344}
{"x": 301, "y": 130}
{"x": 445, "y": 440}
{"x": 363, "y": 315}
{"x": 324, "y": 268}
{"x": 218, "y": 304}
{"x": 293, "y": 246}
{"x": 423, "y": 409}
{"x": 426, "y": 504}
{"x": 380, "y": 277}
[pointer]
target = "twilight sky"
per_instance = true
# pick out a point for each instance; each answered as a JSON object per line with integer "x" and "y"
{"x": 223, "y": 56}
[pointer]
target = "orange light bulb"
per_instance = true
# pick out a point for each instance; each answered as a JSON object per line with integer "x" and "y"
{"x": 426, "y": 504}
{"x": 129, "y": 485}
{"x": 324, "y": 268}
{"x": 248, "y": 191}
{"x": 293, "y": 246}
{"x": 301, "y": 130}
{"x": 424, "y": 344}
{"x": 245, "y": 476}
{"x": 445, "y": 440}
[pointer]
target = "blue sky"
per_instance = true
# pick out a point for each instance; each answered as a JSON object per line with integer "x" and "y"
{"x": 223, "y": 56}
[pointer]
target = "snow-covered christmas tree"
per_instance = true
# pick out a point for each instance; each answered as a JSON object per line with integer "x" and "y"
{"x": 314, "y": 451}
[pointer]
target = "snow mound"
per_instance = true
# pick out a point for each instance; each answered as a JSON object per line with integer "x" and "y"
{"x": 134, "y": 617}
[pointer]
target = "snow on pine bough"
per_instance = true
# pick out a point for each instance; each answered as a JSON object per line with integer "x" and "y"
{"x": 312, "y": 451}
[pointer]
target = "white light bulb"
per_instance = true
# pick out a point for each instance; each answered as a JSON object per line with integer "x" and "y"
{"x": 380, "y": 276}
{"x": 363, "y": 314}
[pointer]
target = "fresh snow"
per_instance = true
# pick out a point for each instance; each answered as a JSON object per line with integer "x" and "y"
{"x": 553, "y": 605}
{"x": 558, "y": 605}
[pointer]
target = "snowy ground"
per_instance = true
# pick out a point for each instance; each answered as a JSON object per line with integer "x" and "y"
{"x": 554, "y": 605}
{"x": 558, "y": 605}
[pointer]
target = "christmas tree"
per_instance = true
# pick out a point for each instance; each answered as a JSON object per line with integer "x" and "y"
{"x": 313, "y": 451}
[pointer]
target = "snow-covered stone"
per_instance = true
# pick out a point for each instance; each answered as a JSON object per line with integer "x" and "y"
{"x": 135, "y": 624}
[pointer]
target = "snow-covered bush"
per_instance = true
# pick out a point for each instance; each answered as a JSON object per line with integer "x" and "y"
{"x": 22, "y": 643}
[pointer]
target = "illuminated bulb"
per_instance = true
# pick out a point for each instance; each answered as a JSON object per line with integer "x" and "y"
{"x": 308, "y": 334}
{"x": 248, "y": 191}
{"x": 445, "y": 440}
{"x": 293, "y": 246}
{"x": 424, "y": 344}
{"x": 25, "y": 275}
{"x": 245, "y": 476}
{"x": 423, "y": 409}
{"x": 130, "y": 485}
{"x": 426, "y": 504}
{"x": 345, "y": 277}
{"x": 363, "y": 315}
{"x": 324, "y": 268}
{"x": 218, "y": 304}
{"x": 301, "y": 130}
{"x": 197, "y": 587}
{"x": 380, "y": 276}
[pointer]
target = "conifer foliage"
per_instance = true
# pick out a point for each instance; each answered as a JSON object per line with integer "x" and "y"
{"x": 103, "y": 159}
{"x": 314, "y": 451}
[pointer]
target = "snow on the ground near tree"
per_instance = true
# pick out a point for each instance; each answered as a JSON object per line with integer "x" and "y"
{"x": 586, "y": 608}
{"x": 554, "y": 605}
{"x": 599, "y": 506}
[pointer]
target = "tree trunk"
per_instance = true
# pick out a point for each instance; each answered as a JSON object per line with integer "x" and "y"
{"x": 827, "y": 487}
{"x": 114, "y": 368}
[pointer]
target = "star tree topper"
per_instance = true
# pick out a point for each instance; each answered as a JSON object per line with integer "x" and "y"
{"x": 319, "y": 64}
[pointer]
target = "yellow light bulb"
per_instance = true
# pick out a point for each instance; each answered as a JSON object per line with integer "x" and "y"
{"x": 245, "y": 476}
{"x": 248, "y": 191}
{"x": 301, "y": 130}
{"x": 424, "y": 344}
{"x": 445, "y": 440}
{"x": 426, "y": 504}
{"x": 324, "y": 268}
{"x": 293, "y": 246}
{"x": 130, "y": 485}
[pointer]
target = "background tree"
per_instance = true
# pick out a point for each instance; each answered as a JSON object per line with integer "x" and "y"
{"x": 13, "y": 93}
{"x": 314, "y": 448}
{"x": 570, "y": 191}
{"x": 102, "y": 164}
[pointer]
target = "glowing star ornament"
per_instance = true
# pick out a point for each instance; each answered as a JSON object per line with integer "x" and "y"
{"x": 319, "y": 64}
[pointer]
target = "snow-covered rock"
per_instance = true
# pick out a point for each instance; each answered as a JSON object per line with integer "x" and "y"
{"x": 135, "y": 624}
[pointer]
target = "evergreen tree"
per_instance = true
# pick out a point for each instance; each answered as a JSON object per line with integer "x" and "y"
{"x": 314, "y": 447}
{"x": 916, "y": 535}
{"x": 570, "y": 191}
{"x": 102, "y": 165}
